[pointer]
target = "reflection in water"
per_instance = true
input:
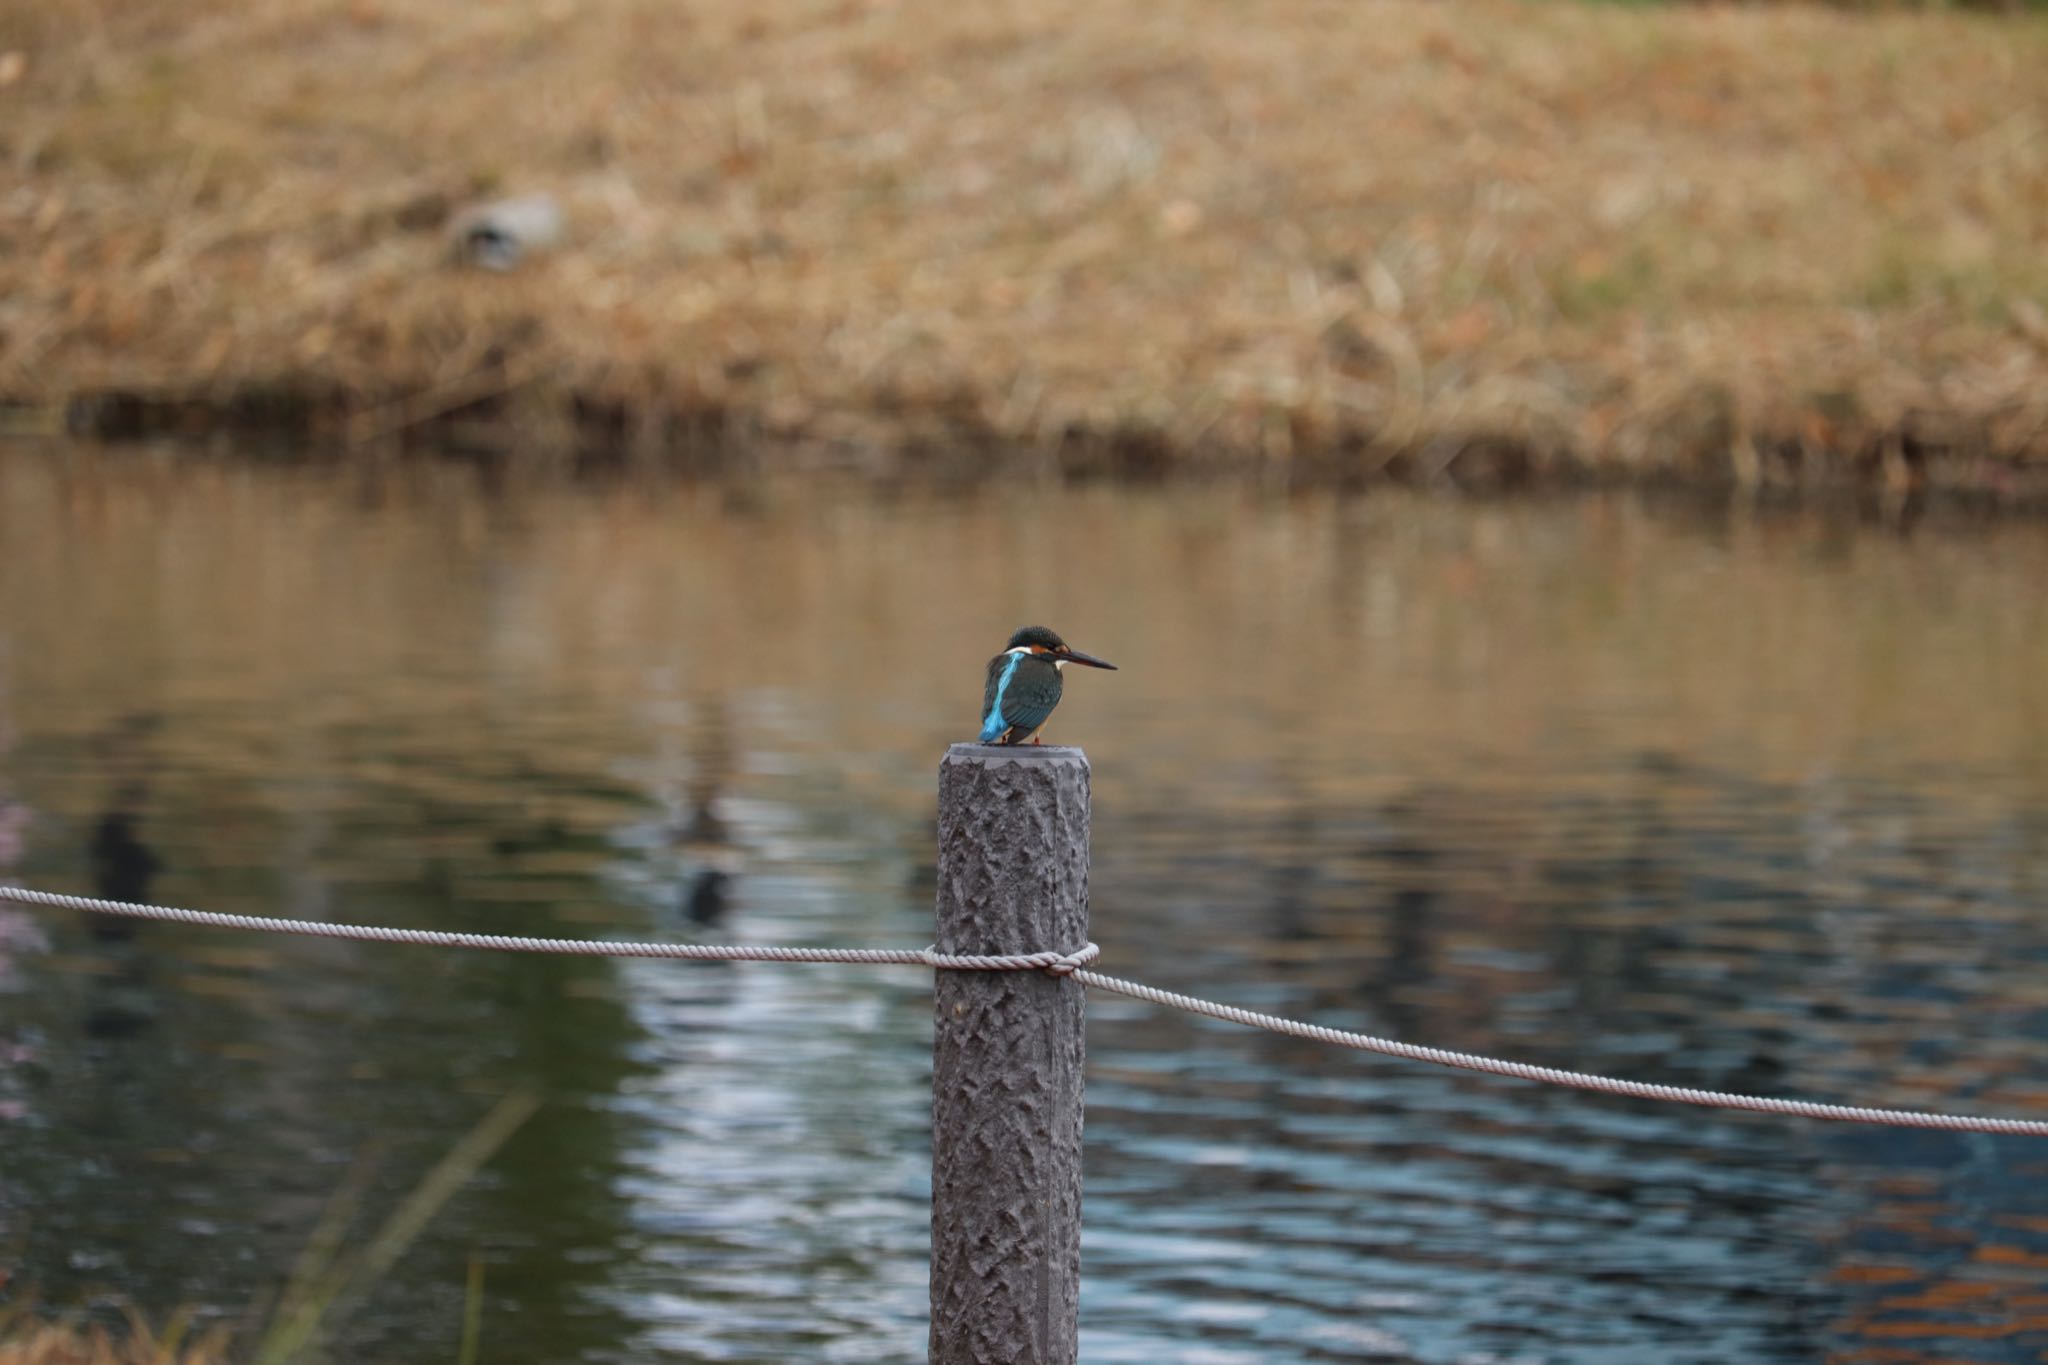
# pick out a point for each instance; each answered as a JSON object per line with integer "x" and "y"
{"x": 704, "y": 841}
{"x": 708, "y": 896}
{"x": 123, "y": 868}
{"x": 1753, "y": 803}
{"x": 21, "y": 939}
{"x": 122, "y": 864}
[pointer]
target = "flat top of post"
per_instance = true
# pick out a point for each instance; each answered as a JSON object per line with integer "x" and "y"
{"x": 1016, "y": 753}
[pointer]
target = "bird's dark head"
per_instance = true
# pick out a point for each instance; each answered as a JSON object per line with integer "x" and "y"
{"x": 1036, "y": 638}
{"x": 1041, "y": 641}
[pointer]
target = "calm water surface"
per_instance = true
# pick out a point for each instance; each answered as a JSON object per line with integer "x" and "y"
{"x": 1698, "y": 797}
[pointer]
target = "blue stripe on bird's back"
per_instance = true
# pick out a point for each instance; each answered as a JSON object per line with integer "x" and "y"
{"x": 992, "y": 724}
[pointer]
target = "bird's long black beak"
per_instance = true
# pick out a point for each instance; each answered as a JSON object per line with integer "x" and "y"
{"x": 1075, "y": 656}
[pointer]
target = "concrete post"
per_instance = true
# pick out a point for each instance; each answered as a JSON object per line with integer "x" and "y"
{"x": 1007, "y": 1058}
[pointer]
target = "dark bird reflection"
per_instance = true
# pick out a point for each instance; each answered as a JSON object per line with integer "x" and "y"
{"x": 708, "y": 897}
{"x": 124, "y": 868}
{"x": 710, "y": 856}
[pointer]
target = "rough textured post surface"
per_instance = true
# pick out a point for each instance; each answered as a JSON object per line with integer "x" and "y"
{"x": 1007, "y": 1059}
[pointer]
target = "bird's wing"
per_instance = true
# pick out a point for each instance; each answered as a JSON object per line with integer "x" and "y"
{"x": 1033, "y": 690}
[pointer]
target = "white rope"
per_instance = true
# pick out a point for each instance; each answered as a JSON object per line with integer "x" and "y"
{"x": 1578, "y": 1080}
{"x": 1057, "y": 964}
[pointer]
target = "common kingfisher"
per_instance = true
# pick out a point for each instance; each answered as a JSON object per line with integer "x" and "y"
{"x": 1024, "y": 685}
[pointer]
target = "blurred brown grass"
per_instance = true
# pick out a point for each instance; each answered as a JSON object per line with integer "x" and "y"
{"x": 53, "y": 1346}
{"x": 25, "y": 1341}
{"x": 1462, "y": 239}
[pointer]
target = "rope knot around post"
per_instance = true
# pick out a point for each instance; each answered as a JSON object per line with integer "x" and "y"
{"x": 1052, "y": 964}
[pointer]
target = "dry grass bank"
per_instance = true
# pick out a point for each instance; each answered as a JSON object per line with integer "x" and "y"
{"x": 1469, "y": 239}
{"x": 56, "y": 1347}
{"x": 24, "y": 1341}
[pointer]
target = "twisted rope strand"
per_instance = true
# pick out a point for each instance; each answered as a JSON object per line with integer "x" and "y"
{"x": 1057, "y": 964}
{"x": 1577, "y": 1080}
{"x": 438, "y": 938}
